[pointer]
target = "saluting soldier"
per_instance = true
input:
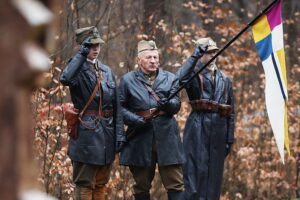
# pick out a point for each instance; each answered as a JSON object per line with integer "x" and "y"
{"x": 155, "y": 138}
{"x": 209, "y": 130}
{"x": 94, "y": 95}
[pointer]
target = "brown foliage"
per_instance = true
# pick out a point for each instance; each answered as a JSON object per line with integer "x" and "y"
{"x": 253, "y": 170}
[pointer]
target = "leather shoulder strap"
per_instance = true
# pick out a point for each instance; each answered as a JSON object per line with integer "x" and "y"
{"x": 201, "y": 84}
{"x": 93, "y": 95}
{"x": 156, "y": 97}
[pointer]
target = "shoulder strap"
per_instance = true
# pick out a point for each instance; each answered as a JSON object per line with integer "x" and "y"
{"x": 225, "y": 90}
{"x": 156, "y": 97}
{"x": 93, "y": 95}
{"x": 201, "y": 84}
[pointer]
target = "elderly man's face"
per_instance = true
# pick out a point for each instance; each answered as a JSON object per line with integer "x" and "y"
{"x": 148, "y": 60}
{"x": 94, "y": 52}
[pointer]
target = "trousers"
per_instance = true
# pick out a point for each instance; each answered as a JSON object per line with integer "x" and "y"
{"x": 90, "y": 181}
{"x": 171, "y": 176}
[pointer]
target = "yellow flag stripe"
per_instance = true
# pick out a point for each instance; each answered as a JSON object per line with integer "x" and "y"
{"x": 261, "y": 29}
{"x": 281, "y": 58}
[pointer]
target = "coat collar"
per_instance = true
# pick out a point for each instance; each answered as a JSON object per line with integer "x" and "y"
{"x": 159, "y": 78}
{"x": 207, "y": 74}
{"x": 100, "y": 66}
{"x": 140, "y": 76}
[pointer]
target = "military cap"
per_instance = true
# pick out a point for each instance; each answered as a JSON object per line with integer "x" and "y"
{"x": 206, "y": 41}
{"x": 91, "y": 31}
{"x": 144, "y": 45}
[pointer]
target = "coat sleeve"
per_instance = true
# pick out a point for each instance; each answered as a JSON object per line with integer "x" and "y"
{"x": 129, "y": 117}
{"x": 185, "y": 72}
{"x": 68, "y": 76}
{"x": 230, "y": 119}
{"x": 175, "y": 102}
{"x": 118, "y": 119}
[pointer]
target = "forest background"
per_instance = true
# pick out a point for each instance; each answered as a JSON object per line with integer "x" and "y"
{"x": 253, "y": 170}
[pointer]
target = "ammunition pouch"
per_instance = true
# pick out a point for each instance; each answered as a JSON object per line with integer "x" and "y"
{"x": 72, "y": 118}
{"x": 210, "y": 106}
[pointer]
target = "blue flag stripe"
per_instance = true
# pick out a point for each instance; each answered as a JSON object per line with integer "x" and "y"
{"x": 264, "y": 47}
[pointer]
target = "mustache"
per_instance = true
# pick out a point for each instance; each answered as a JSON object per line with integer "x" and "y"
{"x": 154, "y": 65}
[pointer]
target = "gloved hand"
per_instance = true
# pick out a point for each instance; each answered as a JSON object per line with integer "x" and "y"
{"x": 227, "y": 149}
{"x": 199, "y": 51}
{"x": 119, "y": 146}
{"x": 85, "y": 47}
{"x": 165, "y": 105}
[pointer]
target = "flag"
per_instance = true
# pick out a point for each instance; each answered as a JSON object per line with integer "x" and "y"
{"x": 268, "y": 38}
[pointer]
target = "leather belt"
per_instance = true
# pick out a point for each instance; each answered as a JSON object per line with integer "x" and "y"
{"x": 210, "y": 106}
{"x": 147, "y": 114}
{"x": 105, "y": 113}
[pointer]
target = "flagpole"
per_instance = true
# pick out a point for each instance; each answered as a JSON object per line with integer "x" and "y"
{"x": 225, "y": 47}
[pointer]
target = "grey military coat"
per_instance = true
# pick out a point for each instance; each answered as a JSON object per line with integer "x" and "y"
{"x": 163, "y": 130}
{"x": 96, "y": 138}
{"x": 206, "y": 133}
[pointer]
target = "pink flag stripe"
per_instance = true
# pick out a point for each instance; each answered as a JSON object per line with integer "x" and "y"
{"x": 274, "y": 15}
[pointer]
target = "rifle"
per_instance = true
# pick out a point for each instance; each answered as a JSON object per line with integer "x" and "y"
{"x": 221, "y": 50}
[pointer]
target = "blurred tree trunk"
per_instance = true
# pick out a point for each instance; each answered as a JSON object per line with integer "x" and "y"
{"x": 13, "y": 68}
{"x": 18, "y": 170}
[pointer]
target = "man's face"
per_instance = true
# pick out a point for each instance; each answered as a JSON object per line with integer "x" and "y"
{"x": 207, "y": 56}
{"x": 148, "y": 60}
{"x": 94, "y": 52}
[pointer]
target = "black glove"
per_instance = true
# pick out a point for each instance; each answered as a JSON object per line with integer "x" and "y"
{"x": 85, "y": 47}
{"x": 119, "y": 146}
{"x": 199, "y": 51}
{"x": 227, "y": 149}
{"x": 165, "y": 105}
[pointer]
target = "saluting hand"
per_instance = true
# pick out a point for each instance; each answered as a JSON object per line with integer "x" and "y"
{"x": 85, "y": 47}
{"x": 199, "y": 51}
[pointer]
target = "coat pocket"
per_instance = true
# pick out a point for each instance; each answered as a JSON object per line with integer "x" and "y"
{"x": 108, "y": 89}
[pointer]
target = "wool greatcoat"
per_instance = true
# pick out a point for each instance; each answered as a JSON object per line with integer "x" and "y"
{"x": 163, "y": 130}
{"x": 206, "y": 133}
{"x": 97, "y": 136}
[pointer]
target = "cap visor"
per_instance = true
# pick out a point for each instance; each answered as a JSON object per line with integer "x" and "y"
{"x": 97, "y": 41}
{"x": 212, "y": 48}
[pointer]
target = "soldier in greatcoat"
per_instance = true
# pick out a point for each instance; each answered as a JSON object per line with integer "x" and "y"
{"x": 101, "y": 126}
{"x": 209, "y": 130}
{"x": 155, "y": 137}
